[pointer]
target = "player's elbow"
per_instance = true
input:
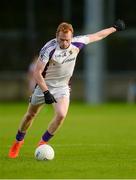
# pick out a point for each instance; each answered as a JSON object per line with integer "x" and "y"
{"x": 37, "y": 74}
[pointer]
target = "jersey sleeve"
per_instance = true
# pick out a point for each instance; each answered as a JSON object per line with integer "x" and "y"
{"x": 80, "y": 41}
{"x": 83, "y": 39}
{"x": 44, "y": 55}
{"x": 46, "y": 51}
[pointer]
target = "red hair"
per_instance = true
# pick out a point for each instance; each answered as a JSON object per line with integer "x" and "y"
{"x": 64, "y": 27}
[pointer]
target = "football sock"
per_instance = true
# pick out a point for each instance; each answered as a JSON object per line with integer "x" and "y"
{"x": 46, "y": 136}
{"x": 20, "y": 135}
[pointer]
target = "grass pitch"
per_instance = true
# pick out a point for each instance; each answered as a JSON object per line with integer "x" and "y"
{"x": 94, "y": 142}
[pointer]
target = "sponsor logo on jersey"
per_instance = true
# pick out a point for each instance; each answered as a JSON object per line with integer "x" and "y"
{"x": 68, "y": 60}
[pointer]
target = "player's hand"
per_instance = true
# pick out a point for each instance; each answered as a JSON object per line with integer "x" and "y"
{"x": 49, "y": 98}
{"x": 119, "y": 25}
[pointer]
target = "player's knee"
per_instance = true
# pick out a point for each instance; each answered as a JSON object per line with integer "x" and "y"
{"x": 60, "y": 116}
{"x": 30, "y": 116}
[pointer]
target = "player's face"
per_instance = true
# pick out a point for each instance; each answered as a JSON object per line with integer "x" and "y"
{"x": 64, "y": 39}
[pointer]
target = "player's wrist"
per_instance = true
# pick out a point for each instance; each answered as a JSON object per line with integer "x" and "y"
{"x": 45, "y": 92}
{"x": 114, "y": 29}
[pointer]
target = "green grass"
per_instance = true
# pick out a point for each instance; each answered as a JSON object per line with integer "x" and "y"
{"x": 94, "y": 142}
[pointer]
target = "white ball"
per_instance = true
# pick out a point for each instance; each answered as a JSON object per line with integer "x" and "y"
{"x": 44, "y": 152}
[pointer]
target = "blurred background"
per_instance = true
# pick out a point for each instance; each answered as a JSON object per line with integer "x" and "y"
{"x": 105, "y": 71}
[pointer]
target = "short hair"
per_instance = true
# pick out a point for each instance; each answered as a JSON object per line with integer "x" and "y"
{"x": 64, "y": 27}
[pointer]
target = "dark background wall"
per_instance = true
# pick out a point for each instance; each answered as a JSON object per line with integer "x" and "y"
{"x": 26, "y": 25}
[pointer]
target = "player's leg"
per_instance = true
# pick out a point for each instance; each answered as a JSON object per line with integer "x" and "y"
{"x": 60, "y": 109}
{"x": 25, "y": 124}
{"x": 29, "y": 117}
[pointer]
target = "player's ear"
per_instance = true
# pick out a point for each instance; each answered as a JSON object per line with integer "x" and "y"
{"x": 57, "y": 35}
{"x": 72, "y": 35}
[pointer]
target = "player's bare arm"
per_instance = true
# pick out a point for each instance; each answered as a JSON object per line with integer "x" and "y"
{"x": 49, "y": 98}
{"x": 38, "y": 75}
{"x": 101, "y": 34}
{"x": 119, "y": 25}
